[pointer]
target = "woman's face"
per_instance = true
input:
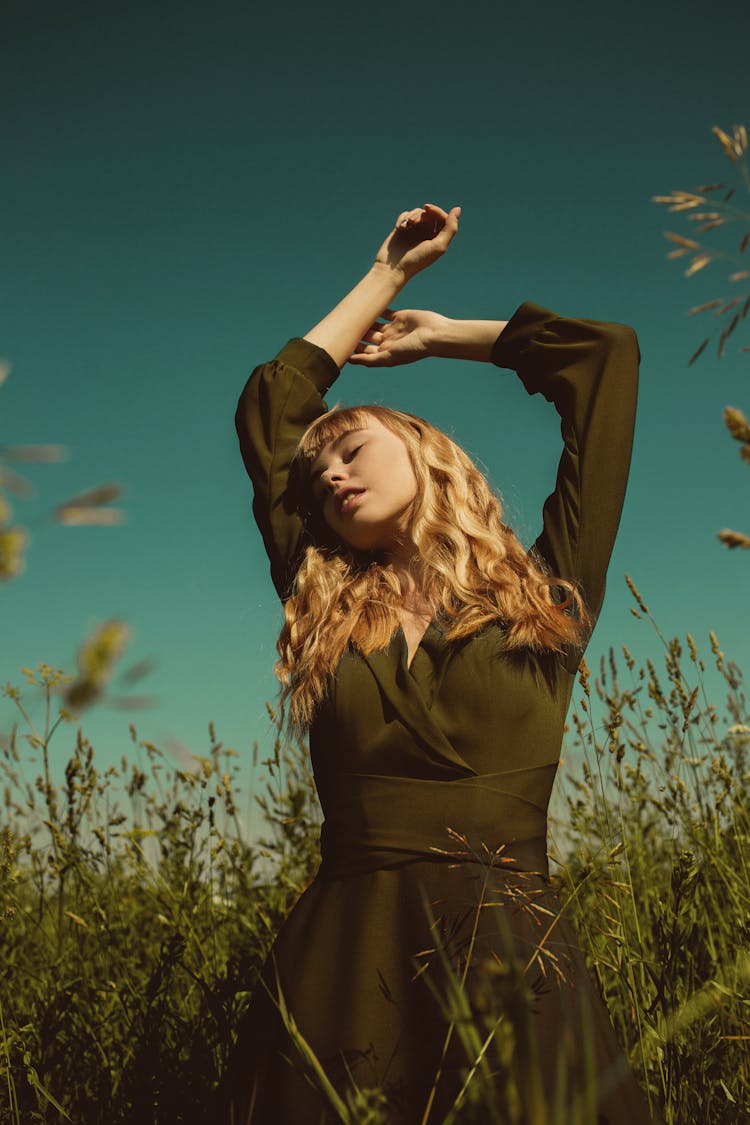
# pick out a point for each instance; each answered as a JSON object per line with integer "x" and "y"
{"x": 365, "y": 485}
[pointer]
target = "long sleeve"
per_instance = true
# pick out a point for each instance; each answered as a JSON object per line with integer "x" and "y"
{"x": 589, "y": 371}
{"x": 280, "y": 400}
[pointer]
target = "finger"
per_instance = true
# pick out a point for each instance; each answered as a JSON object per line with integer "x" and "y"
{"x": 450, "y": 227}
{"x": 435, "y": 210}
{"x": 411, "y": 218}
{"x": 370, "y": 357}
{"x": 373, "y": 335}
{"x": 431, "y": 209}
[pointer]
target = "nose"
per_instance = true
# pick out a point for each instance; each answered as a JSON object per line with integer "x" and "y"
{"x": 332, "y": 477}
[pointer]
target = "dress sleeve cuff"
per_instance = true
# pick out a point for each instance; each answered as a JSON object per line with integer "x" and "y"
{"x": 314, "y": 362}
{"x": 518, "y": 333}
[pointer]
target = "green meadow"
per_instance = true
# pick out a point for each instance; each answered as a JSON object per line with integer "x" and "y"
{"x": 135, "y": 915}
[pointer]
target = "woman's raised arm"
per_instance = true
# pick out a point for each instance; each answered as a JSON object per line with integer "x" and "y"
{"x": 589, "y": 371}
{"x": 412, "y": 334}
{"x": 283, "y": 397}
{"x": 418, "y": 239}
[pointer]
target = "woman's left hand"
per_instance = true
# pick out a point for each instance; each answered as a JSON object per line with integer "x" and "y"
{"x": 420, "y": 237}
{"x": 406, "y": 336}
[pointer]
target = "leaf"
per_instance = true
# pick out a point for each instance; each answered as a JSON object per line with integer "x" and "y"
{"x": 703, "y": 308}
{"x": 96, "y": 660}
{"x": 138, "y": 671}
{"x": 729, "y": 305}
{"x": 700, "y": 350}
{"x": 727, "y": 1092}
{"x": 76, "y": 918}
{"x": 104, "y": 494}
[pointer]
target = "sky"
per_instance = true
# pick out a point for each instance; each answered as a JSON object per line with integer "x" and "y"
{"x": 186, "y": 187}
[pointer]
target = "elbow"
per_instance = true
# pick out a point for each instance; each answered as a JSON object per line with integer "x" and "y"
{"x": 623, "y": 339}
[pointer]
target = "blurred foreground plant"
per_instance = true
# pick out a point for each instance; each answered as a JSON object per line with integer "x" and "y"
{"x": 721, "y": 213}
{"x": 88, "y": 508}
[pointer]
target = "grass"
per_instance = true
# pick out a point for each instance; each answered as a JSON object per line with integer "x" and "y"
{"x": 134, "y": 916}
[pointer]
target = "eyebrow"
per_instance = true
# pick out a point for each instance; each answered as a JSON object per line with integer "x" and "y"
{"x": 333, "y": 445}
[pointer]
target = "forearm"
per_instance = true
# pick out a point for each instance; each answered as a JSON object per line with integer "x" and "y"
{"x": 340, "y": 331}
{"x": 465, "y": 339}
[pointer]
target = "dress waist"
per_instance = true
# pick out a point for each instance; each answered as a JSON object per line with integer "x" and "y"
{"x": 381, "y": 821}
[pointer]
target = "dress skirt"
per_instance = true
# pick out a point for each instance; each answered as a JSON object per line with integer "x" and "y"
{"x": 427, "y": 979}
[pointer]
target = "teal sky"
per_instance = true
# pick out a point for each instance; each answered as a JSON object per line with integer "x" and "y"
{"x": 185, "y": 187}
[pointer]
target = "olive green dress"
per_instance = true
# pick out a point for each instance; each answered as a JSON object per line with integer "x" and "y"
{"x": 434, "y": 781}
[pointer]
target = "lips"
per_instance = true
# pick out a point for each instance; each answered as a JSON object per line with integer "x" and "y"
{"x": 347, "y": 498}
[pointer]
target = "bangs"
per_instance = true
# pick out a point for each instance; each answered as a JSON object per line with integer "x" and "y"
{"x": 329, "y": 427}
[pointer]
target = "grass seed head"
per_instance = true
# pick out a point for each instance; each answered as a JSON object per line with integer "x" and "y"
{"x": 737, "y": 424}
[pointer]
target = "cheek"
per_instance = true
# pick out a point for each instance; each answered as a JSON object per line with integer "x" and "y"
{"x": 409, "y": 479}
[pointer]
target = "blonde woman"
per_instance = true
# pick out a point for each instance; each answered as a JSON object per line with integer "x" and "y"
{"x": 431, "y": 659}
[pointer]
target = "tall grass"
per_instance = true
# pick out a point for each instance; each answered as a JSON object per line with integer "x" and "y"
{"x": 134, "y": 915}
{"x": 657, "y": 845}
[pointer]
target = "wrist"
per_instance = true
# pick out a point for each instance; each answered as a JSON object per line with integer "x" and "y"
{"x": 390, "y": 278}
{"x": 464, "y": 339}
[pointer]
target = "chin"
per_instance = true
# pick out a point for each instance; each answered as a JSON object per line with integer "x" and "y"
{"x": 362, "y": 541}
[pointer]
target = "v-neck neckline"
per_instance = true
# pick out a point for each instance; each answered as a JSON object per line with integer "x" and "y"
{"x": 410, "y": 663}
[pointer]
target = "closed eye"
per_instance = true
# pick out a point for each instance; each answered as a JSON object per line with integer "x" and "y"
{"x": 347, "y": 455}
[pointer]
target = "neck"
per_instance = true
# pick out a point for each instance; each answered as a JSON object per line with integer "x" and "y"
{"x": 407, "y": 568}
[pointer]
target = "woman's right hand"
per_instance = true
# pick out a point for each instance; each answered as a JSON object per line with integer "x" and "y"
{"x": 406, "y": 336}
{"x": 419, "y": 238}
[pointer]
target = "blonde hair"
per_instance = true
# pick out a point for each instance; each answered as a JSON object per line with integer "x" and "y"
{"x": 472, "y": 568}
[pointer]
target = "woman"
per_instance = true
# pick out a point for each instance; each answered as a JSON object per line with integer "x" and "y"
{"x": 432, "y": 660}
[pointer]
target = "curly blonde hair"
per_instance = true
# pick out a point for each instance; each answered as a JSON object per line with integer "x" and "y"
{"x": 472, "y": 568}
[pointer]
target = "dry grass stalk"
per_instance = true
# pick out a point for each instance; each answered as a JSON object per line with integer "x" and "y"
{"x": 707, "y": 215}
{"x": 734, "y": 539}
{"x": 705, "y": 307}
{"x": 87, "y": 509}
{"x": 698, "y": 263}
{"x": 681, "y": 241}
{"x": 735, "y": 146}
